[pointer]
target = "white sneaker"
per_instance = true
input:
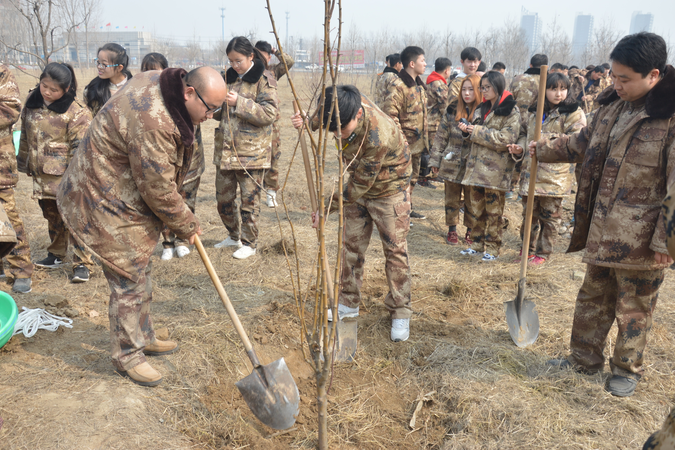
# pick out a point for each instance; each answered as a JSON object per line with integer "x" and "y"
{"x": 272, "y": 199}
{"x": 468, "y": 252}
{"x": 244, "y": 252}
{"x": 400, "y": 330}
{"x": 229, "y": 242}
{"x": 344, "y": 312}
{"x": 488, "y": 257}
{"x": 167, "y": 254}
{"x": 182, "y": 251}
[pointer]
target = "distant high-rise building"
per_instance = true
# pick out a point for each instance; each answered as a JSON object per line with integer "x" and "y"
{"x": 583, "y": 30}
{"x": 641, "y": 22}
{"x": 531, "y": 26}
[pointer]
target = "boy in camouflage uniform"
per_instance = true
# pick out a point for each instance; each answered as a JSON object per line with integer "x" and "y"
{"x": 594, "y": 86}
{"x": 375, "y": 194}
{"x": 122, "y": 186}
{"x": 628, "y": 154}
{"x": 437, "y": 102}
{"x": 406, "y": 103}
{"x": 20, "y": 265}
{"x": 385, "y": 80}
{"x": 470, "y": 59}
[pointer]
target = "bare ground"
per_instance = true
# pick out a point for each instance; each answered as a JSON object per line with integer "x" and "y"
{"x": 59, "y": 391}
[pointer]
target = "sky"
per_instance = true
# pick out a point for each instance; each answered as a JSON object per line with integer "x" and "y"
{"x": 201, "y": 19}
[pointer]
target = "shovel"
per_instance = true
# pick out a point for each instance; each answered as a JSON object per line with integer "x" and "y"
{"x": 345, "y": 336}
{"x": 270, "y": 391}
{"x": 521, "y": 315}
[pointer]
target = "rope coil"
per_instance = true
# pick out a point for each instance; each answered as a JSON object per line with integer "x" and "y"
{"x": 32, "y": 320}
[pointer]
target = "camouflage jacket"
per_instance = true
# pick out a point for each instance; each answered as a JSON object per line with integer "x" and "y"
{"x": 437, "y": 100}
{"x": 10, "y": 111}
{"x": 627, "y": 155}
{"x": 278, "y": 69}
{"x": 383, "y": 84}
{"x": 244, "y": 138}
{"x": 406, "y": 103}
{"x": 50, "y": 135}
{"x": 450, "y": 150}
{"x": 489, "y": 163}
{"x": 198, "y": 164}
{"x": 577, "y": 78}
{"x": 592, "y": 94}
{"x": 123, "y": 181}
{"x": 553, "y": 179}
{"x": 525, "y": 90}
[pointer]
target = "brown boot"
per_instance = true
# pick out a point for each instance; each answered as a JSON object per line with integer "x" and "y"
{"x": 143, "y": 375}
{"x": 159, "y": 348}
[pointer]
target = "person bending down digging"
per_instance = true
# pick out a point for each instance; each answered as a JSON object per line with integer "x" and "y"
{"x": 375, "y": 194}
{"x": 122, "y": 185}
{"x": 628, "y": 153}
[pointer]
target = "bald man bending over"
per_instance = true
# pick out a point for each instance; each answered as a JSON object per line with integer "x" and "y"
{"x": 122, "y": 184}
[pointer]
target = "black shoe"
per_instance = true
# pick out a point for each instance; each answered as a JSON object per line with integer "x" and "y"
{"x": 22, "y": 285}
{"x": 80, "y": 274}
{"x": 621, "y": 386}
{"x": 50, "y": 262}
{"x": 416, "y": 215}
{"x": 426, "y": 183}
{"x": 561, "y": 363}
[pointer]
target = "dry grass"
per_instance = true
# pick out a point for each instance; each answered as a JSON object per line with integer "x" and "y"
{"x": 59, "y": 390}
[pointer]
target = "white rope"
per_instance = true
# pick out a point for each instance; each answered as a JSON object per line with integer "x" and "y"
{"x": 31, "y": 320}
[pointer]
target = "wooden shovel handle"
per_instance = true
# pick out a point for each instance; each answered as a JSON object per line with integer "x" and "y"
{"x": 227, "y": 303}
{"x": 313, "y": 201}
{"x": 533, "y": 172}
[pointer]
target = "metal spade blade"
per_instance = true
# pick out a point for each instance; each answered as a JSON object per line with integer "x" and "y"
{"x": 522, "y": 318}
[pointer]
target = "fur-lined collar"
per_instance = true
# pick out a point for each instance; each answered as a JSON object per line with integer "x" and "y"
{"x": 171, "y": 87}
{"x": 252, "y": 76}
{"x": 660, "y": 101}
{"x": 533, "y": 71}
{"x": 390, "y": 70}
{"x": 35, "y": 100}
{"x": 505, "y": 107}
{"x": 408, "y": 80}
{"x": 562, "y": 109}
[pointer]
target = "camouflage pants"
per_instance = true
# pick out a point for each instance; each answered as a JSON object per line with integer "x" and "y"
{"x": 485, "y": 208}
{"x": 226, "y": 195}
{"x": 664, "y": 439}
{"x": 129, "y": 313}
{"x": 453, "y": 203}
{"x": 189, "y": 193}
{"x": 391, "y": 216}
{"x": 20, "y": 264}
{"x": 608, "y": 294}
{"x": 415, "y": 161}
{"x": 546, "y": 214}
{"x": 515, "y": 177}
{"x": 272, "y": 174}
{"x": 60, "y": 236}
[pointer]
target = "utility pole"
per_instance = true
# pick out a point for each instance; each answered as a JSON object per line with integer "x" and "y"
{"x": 222, "y": 16}
{"x": 286, "y": 44}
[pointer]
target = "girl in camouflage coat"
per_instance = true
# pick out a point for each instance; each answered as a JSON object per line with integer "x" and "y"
{"x": 562, "y": 115}
{"x": 53, "y": 122}
{"x": 243, "y": 143}
{"x": 449, "y": 153}
{"x": 489, "y": 166}
{"x": 111, "y": 62}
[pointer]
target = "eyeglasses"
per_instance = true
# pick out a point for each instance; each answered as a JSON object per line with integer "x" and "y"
{"x": 485, "y": 88}
{"x": 208, "y": 108}
{"x": 236, "y": 63}
{"x": 100, "y": 65}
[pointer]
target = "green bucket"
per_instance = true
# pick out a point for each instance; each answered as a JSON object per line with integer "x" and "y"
{"x": 8, "y": 315}
{"x": 16, "y": 136}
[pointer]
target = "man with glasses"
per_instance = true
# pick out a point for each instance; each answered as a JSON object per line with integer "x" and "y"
{"x": 122, "y": 185}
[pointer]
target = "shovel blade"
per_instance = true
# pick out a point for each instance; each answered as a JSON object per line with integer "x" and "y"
{"x": 345, "y": 341}
{"x": 523, "y": 321}
{"x": 271, "y": 394}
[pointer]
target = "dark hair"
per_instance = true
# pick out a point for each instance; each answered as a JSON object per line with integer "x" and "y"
{"x": 470, "y": 54}
{"x": 600, "y": 69}
{"x": 241, "y": 44}
{"x": 642, "y": 52}
{"x": 606, "y": 66}
{"x": 63, "y": 74}
{"x": 590, "y": 67}
{"x": 410, "y": 54}
{"x": 482, "y": 67}
{"x": 349, "y": 103}
{"x": 556, "y": 66}
{"x": 441, "y": 64}
{"x": 154, "y": 61}
{"x": 573, "y": 67}
{"x": 98, "y": 89}
{"x": 264, "y": 46}
{"x": 498, "y": 82}
{"x": 499, "y": 66}
{"x": 554, "y": 80}
{"x": 538, "y": 60}
{"x": 394, "y": 59}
